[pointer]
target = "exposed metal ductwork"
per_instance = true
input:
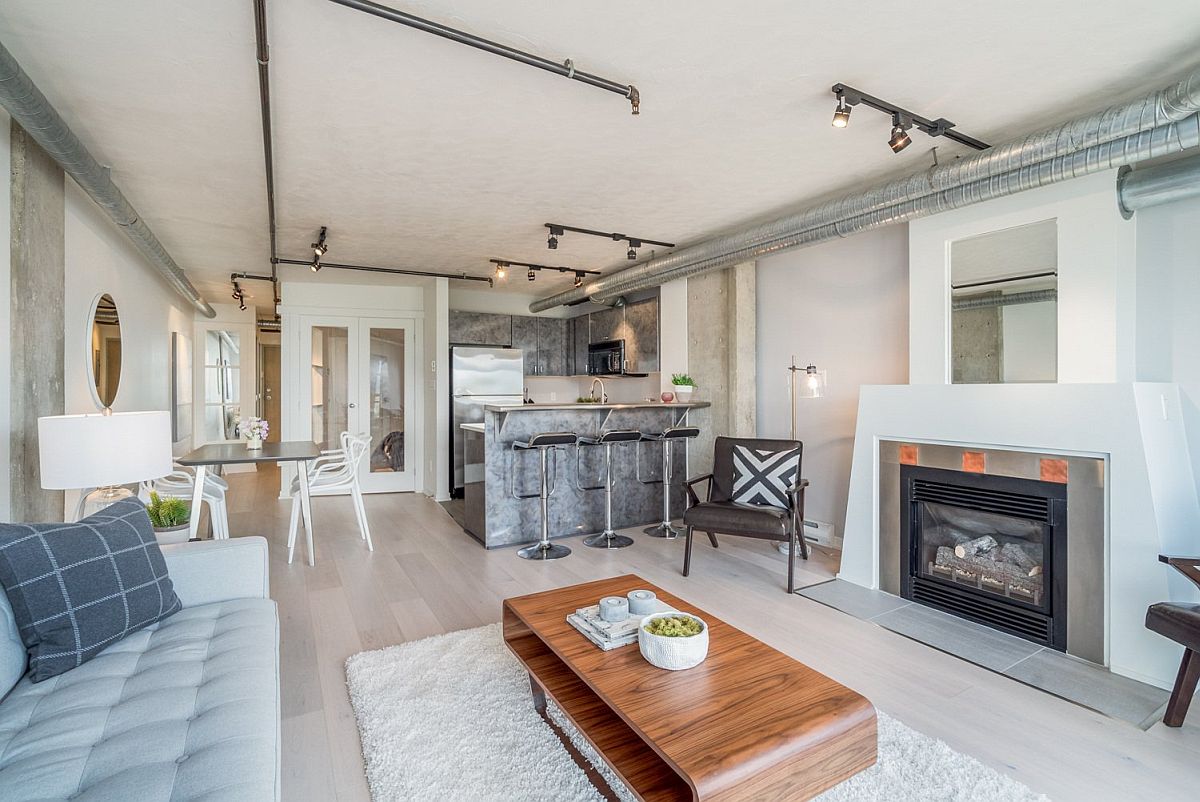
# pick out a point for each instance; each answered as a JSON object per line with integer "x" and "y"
{"x": 1159, "y": 124}
{"x": 33, "y": 112}
{"x": 996, "y": 299}
{"x": 1153, "y": 186}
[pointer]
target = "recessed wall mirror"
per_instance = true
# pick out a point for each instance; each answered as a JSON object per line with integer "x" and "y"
{"x": 1004, "y": 306}
{"x": 105, "y": 362}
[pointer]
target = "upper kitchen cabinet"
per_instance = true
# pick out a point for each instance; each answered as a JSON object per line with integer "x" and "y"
{"x": 552, "y": 346}
{"x": 525, "y": 337}
{"x": 608, "y": 324}
{"x": 480, "y": 328}
{"x": 581, "y": 336}
{"x": 641, "y": 336}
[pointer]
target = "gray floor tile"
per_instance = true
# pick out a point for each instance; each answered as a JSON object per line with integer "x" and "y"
{"x": 965, "y": 639}
{"x": 1090, "y": 685}
{"x": 858, "y": 601}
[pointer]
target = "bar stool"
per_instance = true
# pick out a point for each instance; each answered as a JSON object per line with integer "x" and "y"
{"x": 608, "y": 539}
{"x": 667, "y": 437}
{"x": 543, "y": 442}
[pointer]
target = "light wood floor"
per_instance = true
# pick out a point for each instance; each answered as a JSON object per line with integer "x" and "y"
{"x": 426, "y": 577}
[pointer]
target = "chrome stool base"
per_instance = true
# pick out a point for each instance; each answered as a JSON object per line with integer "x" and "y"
{"x": 663, "y": 530}
{"x": 544, "y": 551}
{"x": 607, "y": 540}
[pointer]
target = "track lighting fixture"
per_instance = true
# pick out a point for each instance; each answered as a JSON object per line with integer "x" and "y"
{"x": 532, "y": 270}
{"x": 242, "y": 303}
{"x": 902, "y": 119}
{"x": 552, "y": 242}
{"x": 841, "y": 115}
{"x": 557, "y": 230}
{"x": 316, "y": 264}
{"x": 319, "y": 247}
{"x": 900, "y": 138}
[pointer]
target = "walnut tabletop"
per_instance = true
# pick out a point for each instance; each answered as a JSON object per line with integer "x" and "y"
{"x": 747, "y": 723}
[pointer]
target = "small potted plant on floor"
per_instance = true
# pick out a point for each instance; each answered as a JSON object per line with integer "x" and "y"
{"x": 254, "y": 431}
{"x": 170, "y": 518}
{"x": 683, "y": 385}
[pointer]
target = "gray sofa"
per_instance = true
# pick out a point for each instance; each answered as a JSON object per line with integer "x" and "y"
{"x": 185, "y": 709}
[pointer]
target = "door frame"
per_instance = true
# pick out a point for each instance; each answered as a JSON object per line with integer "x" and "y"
{"x": 296, "y": 348}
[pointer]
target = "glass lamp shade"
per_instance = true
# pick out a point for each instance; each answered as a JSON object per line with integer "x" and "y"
{"x": 812, "y": 383}
{"x": 104, "y": 450}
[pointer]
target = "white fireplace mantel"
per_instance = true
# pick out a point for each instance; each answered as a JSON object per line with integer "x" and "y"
{"x": 1152, "y": 500}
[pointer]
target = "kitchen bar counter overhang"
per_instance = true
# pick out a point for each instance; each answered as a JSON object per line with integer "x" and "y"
{"x": 497, "y": 519}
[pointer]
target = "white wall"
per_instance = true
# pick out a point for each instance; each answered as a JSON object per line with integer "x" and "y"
{"x": 843, "y": 306}
{"x": 1096, "y": 278}
{"x": 5, "y": 316}
{"x": 99, "y": 259}
{"x": 1030, "y": 337}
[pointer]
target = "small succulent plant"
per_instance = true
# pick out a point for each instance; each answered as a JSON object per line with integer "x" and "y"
{"x": 167, "y": 512}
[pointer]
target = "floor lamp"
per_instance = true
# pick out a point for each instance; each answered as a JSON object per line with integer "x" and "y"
{"x": 806, "y": 382}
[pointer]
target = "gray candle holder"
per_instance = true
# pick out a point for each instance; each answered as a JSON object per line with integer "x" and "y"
{"x": 642, "y": 602}
{"x": 614, "y": 609}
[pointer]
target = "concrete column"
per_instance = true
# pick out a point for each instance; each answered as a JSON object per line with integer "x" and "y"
{"x": 721, "y": 357}
{"x": 37, "y": 325}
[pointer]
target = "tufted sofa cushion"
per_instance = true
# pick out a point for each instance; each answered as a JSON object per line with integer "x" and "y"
{"x": 184, "y": 709}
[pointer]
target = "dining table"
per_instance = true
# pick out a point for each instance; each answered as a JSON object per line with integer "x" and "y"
{"x": 301, "y": 452}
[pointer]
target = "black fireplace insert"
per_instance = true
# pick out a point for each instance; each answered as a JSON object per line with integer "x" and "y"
{"x": 991, "y": 549}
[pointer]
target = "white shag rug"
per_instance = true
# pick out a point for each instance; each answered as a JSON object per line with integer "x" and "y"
{"x": 450, "y": 717}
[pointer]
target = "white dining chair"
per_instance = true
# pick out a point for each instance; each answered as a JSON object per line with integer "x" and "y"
{"x": 335, "y": 472}
{"x": 181, "y": 483}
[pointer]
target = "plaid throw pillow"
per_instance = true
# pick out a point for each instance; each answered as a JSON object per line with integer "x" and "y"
{"x": 763, "y": 477}
{"x": 77, "y": 588}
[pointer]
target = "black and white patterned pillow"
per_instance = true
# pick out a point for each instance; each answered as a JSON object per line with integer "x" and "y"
{"x": 763, "y": 477}
{"x": 77, "y": 588}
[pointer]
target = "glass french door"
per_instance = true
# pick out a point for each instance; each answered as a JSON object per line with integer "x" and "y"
{"x": 363, "y": 381}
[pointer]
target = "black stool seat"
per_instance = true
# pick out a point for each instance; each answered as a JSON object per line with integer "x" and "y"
{"x": 673, "y": 433}
{"x": 611, "y": 436}
{"x": 547, "y": 440}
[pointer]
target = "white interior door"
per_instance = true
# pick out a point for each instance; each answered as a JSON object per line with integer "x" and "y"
{"x": 330, "y": 349}
{"x": 388, "y": 406}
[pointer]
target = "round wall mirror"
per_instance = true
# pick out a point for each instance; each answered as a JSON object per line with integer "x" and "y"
{"x": 105, "y": 350}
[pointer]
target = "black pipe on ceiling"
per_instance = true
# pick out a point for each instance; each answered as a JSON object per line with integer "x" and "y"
{"x": 391, "y": 270}
{"x": 264, "y": 99}
{"x": 566, "y": 68}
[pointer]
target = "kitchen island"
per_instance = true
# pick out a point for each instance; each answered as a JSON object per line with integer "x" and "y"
{"x": 497, "y": 519}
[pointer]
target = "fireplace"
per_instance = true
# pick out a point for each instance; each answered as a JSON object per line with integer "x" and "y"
{"x": 991, "y": 549}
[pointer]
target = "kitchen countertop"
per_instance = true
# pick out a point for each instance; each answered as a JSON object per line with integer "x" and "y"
{"x": 472, "y": 427}
{"x": 634, "y": 405}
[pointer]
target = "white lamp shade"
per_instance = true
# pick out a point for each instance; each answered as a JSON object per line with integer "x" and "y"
{"x": 101, "y": 450}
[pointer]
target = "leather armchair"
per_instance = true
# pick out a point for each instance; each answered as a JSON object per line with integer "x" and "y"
{"x": 717, "y": 514}
{"x": 1180, "y": 622}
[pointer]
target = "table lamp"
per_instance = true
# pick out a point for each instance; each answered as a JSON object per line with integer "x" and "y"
{"x": 103, "y": 451}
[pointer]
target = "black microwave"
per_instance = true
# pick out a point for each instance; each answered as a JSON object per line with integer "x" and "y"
{"x": 606, "y": 358}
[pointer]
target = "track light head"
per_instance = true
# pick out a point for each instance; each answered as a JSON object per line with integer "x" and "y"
{"x": 552, "y": 242}
{"x": 631, "y": 254}
{"x": 316, "y": 264}
{"x": 578, "y": 279}
{"x": 531, "y": 275}
{"x": 900, "y": 138}
{"x": 319, "y": 247}
{"x": 242, "y": 304}
{"x": 841, "y": 115}
{"x": 501, "y": 271}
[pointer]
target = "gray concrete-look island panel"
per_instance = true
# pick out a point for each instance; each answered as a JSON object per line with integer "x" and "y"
{"x": 497, "y": 519}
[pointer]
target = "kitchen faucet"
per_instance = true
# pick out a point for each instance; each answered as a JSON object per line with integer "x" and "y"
{"x": 592, "y": 392}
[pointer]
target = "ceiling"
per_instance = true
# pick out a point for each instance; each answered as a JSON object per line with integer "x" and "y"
{"x": 420, "y": 153}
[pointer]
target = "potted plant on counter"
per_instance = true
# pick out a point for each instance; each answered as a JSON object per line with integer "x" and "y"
{"x": 683, "y": 385}
{"x": 170, "y": 518}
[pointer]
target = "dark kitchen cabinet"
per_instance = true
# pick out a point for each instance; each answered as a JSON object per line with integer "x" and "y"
{"x": 641, "y": 336}
{"x": 525, "y": 337}
{"x": 580, "y": 337}
{"x": 608, "y": 324}
{"x": 552, "y": 346}
{"x": 479, "y": 328}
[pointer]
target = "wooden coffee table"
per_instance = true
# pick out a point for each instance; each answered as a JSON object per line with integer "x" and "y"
{"x": 747, "y": 723}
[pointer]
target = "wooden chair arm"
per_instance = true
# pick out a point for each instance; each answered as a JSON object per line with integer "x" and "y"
{"x": 1188, "y": 566}
{"x": 693, "y": 499}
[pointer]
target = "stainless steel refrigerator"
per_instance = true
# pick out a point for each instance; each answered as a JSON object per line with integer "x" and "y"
{"x": 479, "y": 376}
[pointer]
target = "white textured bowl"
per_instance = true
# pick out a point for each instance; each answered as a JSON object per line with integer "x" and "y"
{"x": 673, "y": 654}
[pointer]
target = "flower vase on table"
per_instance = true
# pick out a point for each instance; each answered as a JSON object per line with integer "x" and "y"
{"x": 254, "y": 431}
